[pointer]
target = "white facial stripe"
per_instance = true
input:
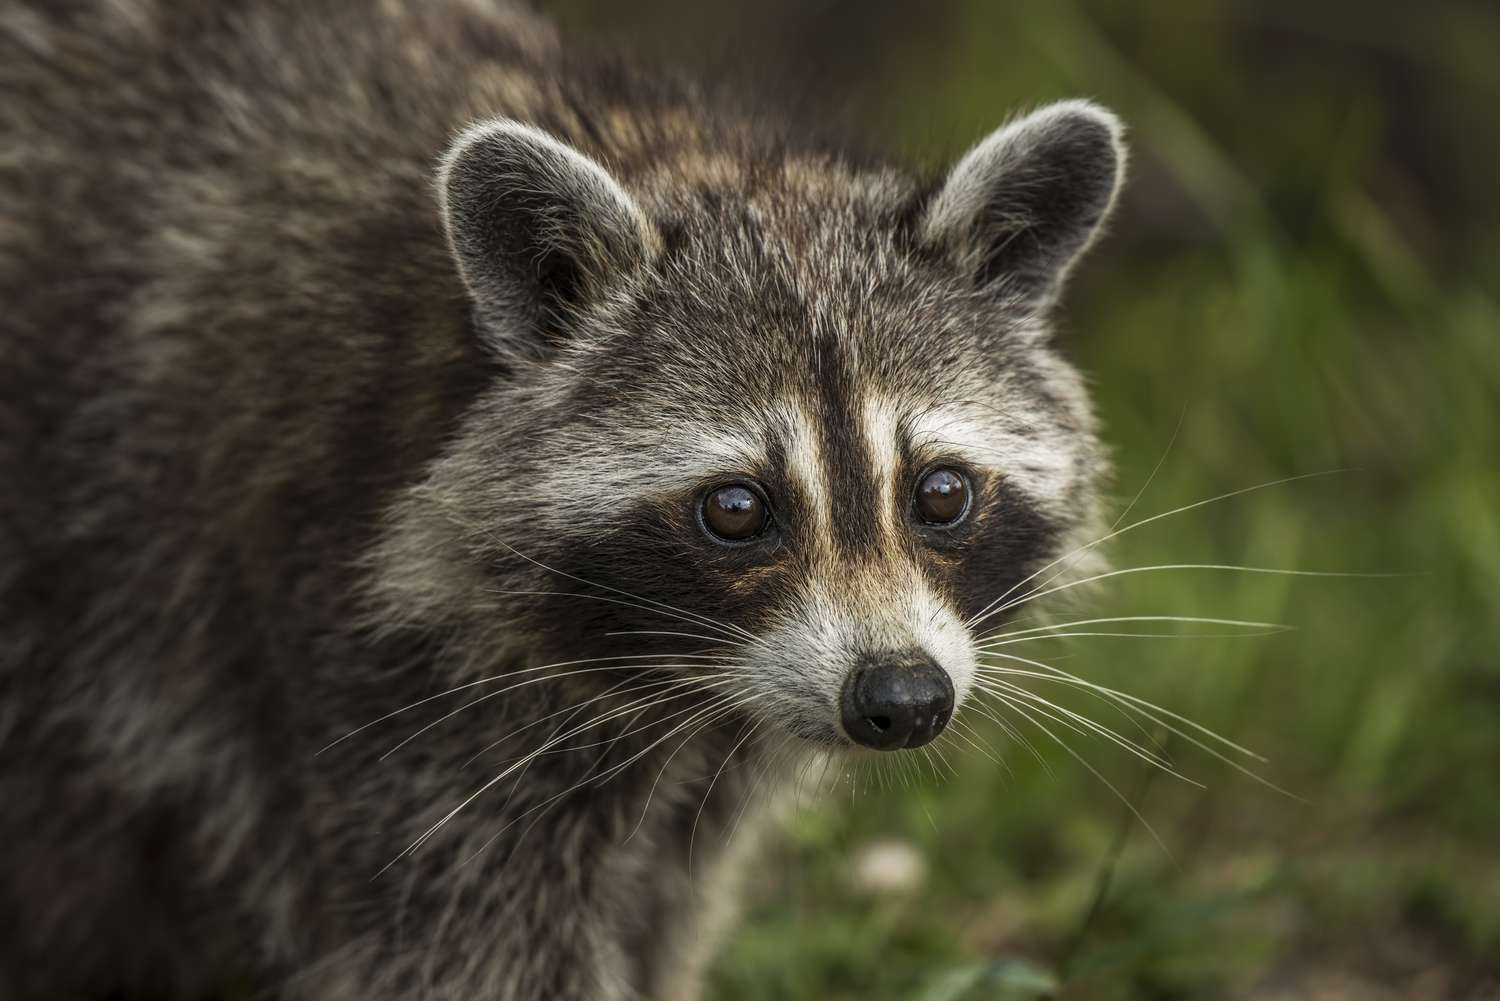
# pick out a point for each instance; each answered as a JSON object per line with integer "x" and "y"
{"x": 882, "y": 421}
{"x": 804, "y": 463}
{"x": 1038, "y": 463}
{"x": 955, "y": 429}
{"x": 679, "y": 458}
{"x": 715, "y": 448}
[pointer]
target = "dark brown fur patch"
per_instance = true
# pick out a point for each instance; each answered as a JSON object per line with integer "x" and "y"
{"x": 263, "y": 481}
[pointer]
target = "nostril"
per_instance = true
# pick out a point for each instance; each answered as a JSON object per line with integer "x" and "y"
{"x": 881, "y": 723}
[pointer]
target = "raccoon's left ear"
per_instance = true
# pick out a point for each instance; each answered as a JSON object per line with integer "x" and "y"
{"x": 538, "y": 230}
{"x": 1019, "y": 208}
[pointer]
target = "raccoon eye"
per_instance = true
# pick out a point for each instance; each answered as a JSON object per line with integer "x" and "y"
{"x": 734, "y": 513}
{"x": 942, "y": 497}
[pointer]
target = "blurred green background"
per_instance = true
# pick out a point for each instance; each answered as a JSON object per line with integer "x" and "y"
{"x": 1304, "y": 275}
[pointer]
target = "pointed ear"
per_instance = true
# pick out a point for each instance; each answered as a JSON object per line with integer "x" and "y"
{"x": 538, "y": 231}
{"x": 1019, "y": 208}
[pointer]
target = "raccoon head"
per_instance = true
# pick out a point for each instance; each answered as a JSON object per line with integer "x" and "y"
{"x": 772, "y": 421}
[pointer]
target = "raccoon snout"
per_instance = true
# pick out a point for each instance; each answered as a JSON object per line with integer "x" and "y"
{"x": 897, "y": 702}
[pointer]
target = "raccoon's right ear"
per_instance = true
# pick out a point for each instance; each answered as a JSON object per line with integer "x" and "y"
{"x": 538, "y": 230}
{"x": 1018, "y": 209}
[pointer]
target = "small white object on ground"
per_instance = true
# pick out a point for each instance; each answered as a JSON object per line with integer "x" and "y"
{"x": 888, "y": 866}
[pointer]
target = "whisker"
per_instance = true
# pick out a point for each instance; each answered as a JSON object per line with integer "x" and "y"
{"x": 657, "y": 782}
{"x": 1013, "y": 734}
{"x": 1098, "y": 775}
{"x": 520, "y": 684}
{"x": 970, "y": 736}
{"x": 485, "y": 681}
{"x": 952, "y": 772}
{"x": 1278, "y": 571}
{"x": 770, "y": 763}
{"x": 546, "y": 804}
{"x": 937, "y": 777}
{"x": 1140, "y": 703}
{"x": 1126, "y": 711}
{"x": 1113, "y": 736}
{"x": 669, "y": 684}
{"x": 703, "y": 619}
{"x": 662, "y": 632}
{"x": 516, "y": 784}
{"x": 1276, "y": 627}
{"x": 749, "y": 730}
{"x": 1154, "y": 469}
{"x": 669, "y": 613}
{"x": 717, "y": 709}
{"x": 1003, "y": 641}
{"x": 500, "y": 777}
{"x": 1142, "y": 706}
{"x": 1116, "y": 533}
{"x": 992, "y": 687}
{"x": 632, "y": 729}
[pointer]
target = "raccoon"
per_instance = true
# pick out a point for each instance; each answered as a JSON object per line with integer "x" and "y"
{"x": 452, "y": 485}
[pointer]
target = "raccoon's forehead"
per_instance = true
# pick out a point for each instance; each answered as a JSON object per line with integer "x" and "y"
{"x": 792, "y": 240}
{"x": 810, "y": 441}
{"x": 796, "y": 299}
{"x": 778, "y": 340}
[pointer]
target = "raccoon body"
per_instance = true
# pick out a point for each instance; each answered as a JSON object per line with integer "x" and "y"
{"x": 386, "y": 378}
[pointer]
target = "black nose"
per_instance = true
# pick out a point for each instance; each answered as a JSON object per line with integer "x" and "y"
{"x": 898, "y": 702}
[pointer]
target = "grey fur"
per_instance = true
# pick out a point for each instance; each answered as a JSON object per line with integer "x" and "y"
{"x": 1022, "y": 206}
{"x": 327, "y": 389}
{"x": 519, "y": 207}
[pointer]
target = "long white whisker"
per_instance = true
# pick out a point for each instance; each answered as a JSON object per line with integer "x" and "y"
{"x": 1148, "y": 710}
{"x": 716, "y": 709}
{"x": 1097, "y": 774}
{"x": 668, "y": 684}
{"x": 492, "y": 678}
{"x": 744, "y": 700}
{"x": 1154, "y": 469}
{"x": 1190, "y": 619}
{"x": 669, "y": 613}
{"x": 663, "y": 632}
{"x": 1012, "y": 733}
{"x": 1138, "y": 702}
{"x": 704, "y": 619}
{"x": 1278, "y": 571}
{"x": 532, "y": 759}
{"x": 1003, "y": 640}
{"x": 748, "y": 730}
{"x": 500, "y": 777}
{"x": 771, "y": 762}
{"x": 1116, "y": 533}
{"x": 656, "y": 701}
{"x": 1145, "y": 754}
{"x": 520, "y": 684}
{"x": 1127, "y": 711}
{"x": 968, "y": 735}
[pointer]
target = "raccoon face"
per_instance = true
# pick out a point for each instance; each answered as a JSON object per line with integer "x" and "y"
{"x": 782, "y": 425}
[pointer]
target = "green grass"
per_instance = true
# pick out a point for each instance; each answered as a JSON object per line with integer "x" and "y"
{"x": 1304, "y": 274}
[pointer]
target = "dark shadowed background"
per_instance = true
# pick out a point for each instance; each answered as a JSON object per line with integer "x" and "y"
{"x": 1303, "y": 274}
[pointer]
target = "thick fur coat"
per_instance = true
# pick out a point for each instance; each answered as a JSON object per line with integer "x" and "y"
{"x": 363, "y": 367}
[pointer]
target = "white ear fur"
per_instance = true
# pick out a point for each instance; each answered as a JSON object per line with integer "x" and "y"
{"x": 1019, "y": 208}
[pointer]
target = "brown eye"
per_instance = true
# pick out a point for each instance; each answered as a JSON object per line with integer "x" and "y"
{"x": 734, "y": 513}
{"x": 942, "y": 497}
